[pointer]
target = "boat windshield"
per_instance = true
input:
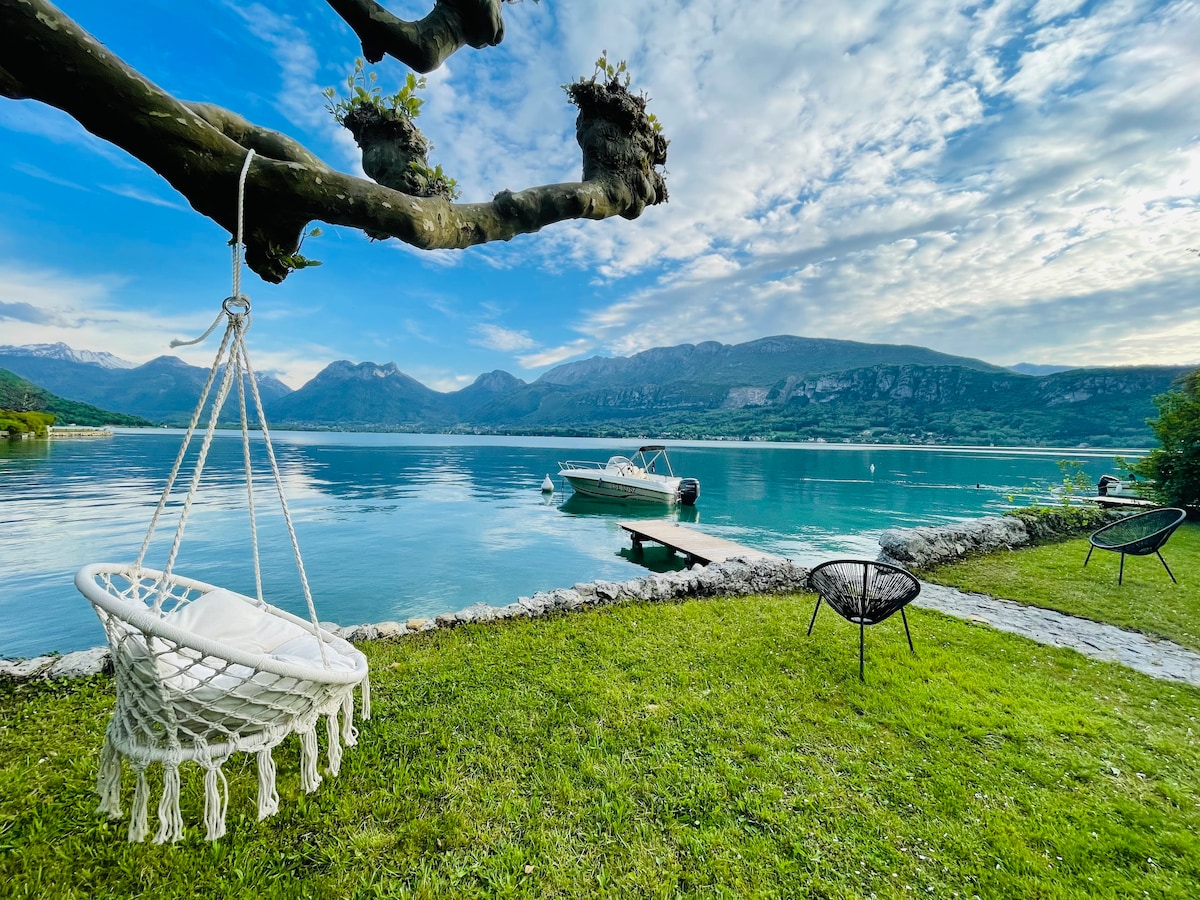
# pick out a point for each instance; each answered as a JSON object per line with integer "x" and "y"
{"x": 654, "y": 459}
{"x": 619, "y": 463}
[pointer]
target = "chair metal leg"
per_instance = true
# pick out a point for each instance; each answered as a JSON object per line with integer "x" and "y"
{"x": 904, "y": 619}
{"x": 860, "y": 651}
{"x": 1089, "y": 556}
{"x": 1121, "y": 574}
{"x": 1165, "y": 566}
{"x": 814, "y": 618}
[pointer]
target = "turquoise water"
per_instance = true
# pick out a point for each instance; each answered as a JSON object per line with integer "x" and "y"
{"x": 396, "y": 526}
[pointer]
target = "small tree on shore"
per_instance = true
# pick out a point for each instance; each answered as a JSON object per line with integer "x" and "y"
{"x": 1174, "y": 467}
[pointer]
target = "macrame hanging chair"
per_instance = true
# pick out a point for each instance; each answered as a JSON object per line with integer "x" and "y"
{"x": 202, "y": 672}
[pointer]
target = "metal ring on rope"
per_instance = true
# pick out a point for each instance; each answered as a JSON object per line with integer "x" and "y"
{"x": 240, "y": 300}
{"x": 230, "y": 306}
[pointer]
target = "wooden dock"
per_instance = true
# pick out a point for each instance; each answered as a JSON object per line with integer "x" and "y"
{"x": 696, "y": 546}
{"x": 1116, "y": 502}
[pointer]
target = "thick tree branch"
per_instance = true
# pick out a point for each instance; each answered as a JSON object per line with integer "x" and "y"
{"x": 426, "y": 44}
{"x": 9, "y": 86}
{"x": 199, "y": 149}
{"x": 262, "y": 141}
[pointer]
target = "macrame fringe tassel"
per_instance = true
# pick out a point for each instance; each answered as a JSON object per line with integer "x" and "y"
{"x": 108, "y": 781}
{"x": 216, "y": 799}
{"x": 349, "y": 732}
{"x": 138, "y": 824}
{"x": 366, "y": 698}
{"x": 268, "y": 797}
{"x": 309, "y": 777}
{"x": 335, "y": 743}
{"x": 170, "y": 820}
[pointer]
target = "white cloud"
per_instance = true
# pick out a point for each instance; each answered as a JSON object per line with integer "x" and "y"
{"x": 85, "y": 312}
{"x": 132, "y": 193}
{"x": 299, "y": 97}
{"x": 43, "y": 306}
{"x": 862, "y": 179}
{"x": 42, "y": 175}
{"x": 555, "y": 355}
{"x": 495, "y": 337}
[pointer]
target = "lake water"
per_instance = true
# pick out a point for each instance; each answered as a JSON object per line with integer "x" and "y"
{"x": 394, "y": 526}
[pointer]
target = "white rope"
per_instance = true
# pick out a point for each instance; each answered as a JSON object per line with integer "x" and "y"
{"x": 287, "y": 516}
{"x": 187, "y": 438}
{"x": 210, "y": 432}
{"x": 200, "y": 340}
{"x": 239, "y": 300}
{"x": 241, "y": 217}
{"x": 268, "y": 796}
{"x": 258, "y": 591}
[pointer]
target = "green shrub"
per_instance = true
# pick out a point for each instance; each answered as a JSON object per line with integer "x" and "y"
{"x": 1174, "y": 468}
{"x": 13, "y": 423}
{"x": 1055, "y": 523}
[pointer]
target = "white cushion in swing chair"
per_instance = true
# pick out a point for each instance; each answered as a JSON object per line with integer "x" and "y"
{"x": 236, "y": 621}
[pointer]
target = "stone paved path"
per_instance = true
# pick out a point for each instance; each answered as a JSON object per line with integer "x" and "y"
{"x": 1160, "y": 659}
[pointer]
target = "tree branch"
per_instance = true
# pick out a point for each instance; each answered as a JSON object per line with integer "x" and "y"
{"x": 426, "y": 44}
{"x": 262, "y": 141}
{"x": 199, "y": 149}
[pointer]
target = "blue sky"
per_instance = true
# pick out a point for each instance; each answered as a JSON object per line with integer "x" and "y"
{"x": 1014, "y": 181}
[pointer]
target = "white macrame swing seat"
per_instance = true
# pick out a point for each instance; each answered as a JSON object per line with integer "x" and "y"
{"x": 202, "y": 672}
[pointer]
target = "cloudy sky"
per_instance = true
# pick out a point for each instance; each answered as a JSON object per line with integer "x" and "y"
{"x": 1014, "y": 180}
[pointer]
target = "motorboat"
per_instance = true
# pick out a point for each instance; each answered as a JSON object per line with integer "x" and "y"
{"x": 645, "y": 477}
{"x": 1112, "y": 486}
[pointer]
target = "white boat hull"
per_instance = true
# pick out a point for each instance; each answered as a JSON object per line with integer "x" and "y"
{"x": 622, "y": 478}
{"x": 616, "y": 487}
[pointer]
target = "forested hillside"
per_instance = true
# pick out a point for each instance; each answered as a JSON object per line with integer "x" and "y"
{"x": 23, "y": 396}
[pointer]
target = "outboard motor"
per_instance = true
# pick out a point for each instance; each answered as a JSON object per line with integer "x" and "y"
{"x": 689, "y": 491}
{"x": 1106, "y": 482}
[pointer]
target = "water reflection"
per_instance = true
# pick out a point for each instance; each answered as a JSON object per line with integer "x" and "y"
{"x": 654, "y": 557}
{"x": 580, "y": 505}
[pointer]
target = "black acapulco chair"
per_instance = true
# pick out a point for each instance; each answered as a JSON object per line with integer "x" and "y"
{"x": 1138, "y": 535}
{"x": 863, "y": 592}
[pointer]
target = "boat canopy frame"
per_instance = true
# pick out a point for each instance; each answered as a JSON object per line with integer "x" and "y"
{"x": 639, "y": 459}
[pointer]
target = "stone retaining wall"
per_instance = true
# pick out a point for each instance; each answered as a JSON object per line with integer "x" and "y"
{"x": 919, "y": 548}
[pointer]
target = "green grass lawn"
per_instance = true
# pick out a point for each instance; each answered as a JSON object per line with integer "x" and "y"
{"x": 1052, "y": 576}
{"x": 699, "y": 749}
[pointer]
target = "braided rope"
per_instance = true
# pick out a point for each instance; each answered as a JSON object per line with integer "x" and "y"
{"x": 210, "y": 432}
{"x": 258, "y": 591}
{"x": 287, "y": 516}
{"x": 187, "y": 438}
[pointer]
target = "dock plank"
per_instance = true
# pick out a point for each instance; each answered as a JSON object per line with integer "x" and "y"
{"x": 696, "y": 546}
{"x": 1130, "y": 502}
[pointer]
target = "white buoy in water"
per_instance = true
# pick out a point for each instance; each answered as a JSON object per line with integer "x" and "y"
{"x": 547, "y": 485}
{"x": 872, "y": 468}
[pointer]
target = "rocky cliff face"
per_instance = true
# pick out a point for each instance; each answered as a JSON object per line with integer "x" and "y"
{"x": 949, "y": 386}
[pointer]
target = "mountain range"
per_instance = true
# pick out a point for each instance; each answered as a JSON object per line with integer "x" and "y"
{"x": 163, "y": 390}
{"x": 780, "y": 387}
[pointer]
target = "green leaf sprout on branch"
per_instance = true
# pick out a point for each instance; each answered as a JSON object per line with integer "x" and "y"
{"x": 615, "y": 76}
{"x": 296, "y": 260}
{"x": 362, "y": 90}
{"x": 439, "y": 181}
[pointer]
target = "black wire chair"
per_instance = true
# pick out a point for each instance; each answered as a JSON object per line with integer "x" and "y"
{"x": 1138, "y": 535}
{"x": 863, "y": 592}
